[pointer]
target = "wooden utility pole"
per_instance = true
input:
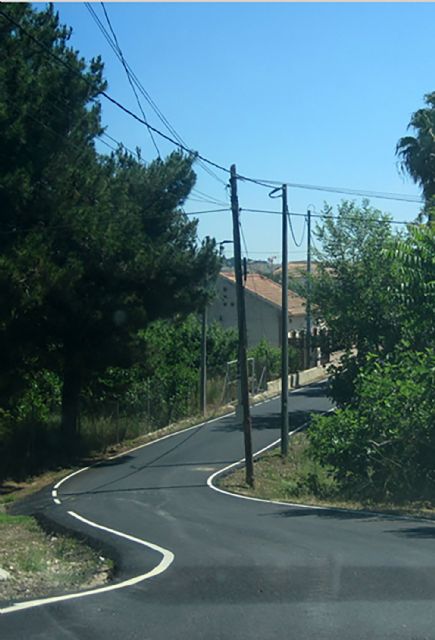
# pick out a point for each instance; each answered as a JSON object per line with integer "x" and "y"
{"x": 284, "y": 327}
{"x": 243, "y": 336}
{"x": 203, "y": 376}
{"x": 308, "y": 307}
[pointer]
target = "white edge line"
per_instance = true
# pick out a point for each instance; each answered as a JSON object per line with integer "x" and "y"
{"x": 214, "y": 475}
{"x": 176, "y": 433}
{"x": 140, "y": 446}
{"x": 258, "y": 453}
{"x": 362, "y": 512}
{"x": 168, "y": 558}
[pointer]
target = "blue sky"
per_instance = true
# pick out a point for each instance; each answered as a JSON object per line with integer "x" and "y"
{"x": 309, "y": 93}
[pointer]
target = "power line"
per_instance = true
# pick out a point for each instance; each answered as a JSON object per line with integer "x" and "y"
{"x": 143, "y": 91}
{"x": 356, "y": 192}
{"x": 207, "y": 200}
{"x": 196, "y": 213}
{"x": 196, "y": 155}
{"x": 207, "y": 197}
{"x": 127, "y": 72}
{"x": 298, "y": 244}
{"x": 199, "y": 157}
{"x": 327, "y": 216}
{"x": 44, "y": 227}
{"x": 108, "y": 145}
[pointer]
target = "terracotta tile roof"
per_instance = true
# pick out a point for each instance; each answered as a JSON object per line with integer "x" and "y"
{"x": 270, "y": 291}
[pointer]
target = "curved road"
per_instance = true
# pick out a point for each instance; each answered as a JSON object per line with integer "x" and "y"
{"x": 229, "y": 568}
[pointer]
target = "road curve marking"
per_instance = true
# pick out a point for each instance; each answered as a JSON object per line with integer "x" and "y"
{"x": 166, "y": 561}
{"x": 362, "y": 512}
{"x": 257, "y": 454}
{"x": 54, "y": 492}
{"x": 168, "y": 556}
{"x": 219, "y": 472}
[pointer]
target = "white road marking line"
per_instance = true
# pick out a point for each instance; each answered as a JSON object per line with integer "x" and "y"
{"x": 256, "y": 455}
{"x": 386, "y": 516}
{"x": 140, "y": 446}
{"x": 168, "y": 558}
{"x": 238, "y": 462}
{"x": 74, "y": 473}
{"x": 170, "y": 435}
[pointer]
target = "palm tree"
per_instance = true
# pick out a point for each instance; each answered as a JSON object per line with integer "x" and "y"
{"x": 417, "y": 154}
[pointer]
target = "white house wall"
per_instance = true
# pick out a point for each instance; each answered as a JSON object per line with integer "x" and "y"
{"x": 263, "y": 319}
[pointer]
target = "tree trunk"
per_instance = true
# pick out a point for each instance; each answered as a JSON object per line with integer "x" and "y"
{"x": 72, "y": 383}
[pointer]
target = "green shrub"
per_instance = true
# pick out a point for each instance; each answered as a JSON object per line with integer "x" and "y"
{"x": 383, "y": 445}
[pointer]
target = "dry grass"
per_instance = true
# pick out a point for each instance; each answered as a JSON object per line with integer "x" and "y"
{"x": 39, "y": 564}
{"x": 42, "y": 565}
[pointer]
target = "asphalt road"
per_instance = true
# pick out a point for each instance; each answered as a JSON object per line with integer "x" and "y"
{"x": 230, "y": 568}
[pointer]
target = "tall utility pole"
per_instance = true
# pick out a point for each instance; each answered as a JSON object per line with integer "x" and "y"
{"x": 243, "y": 335}
{"x": 308, "y": 307}
{"x": 203, "y": 366}
{"x": 284, "y": 328}
{"x": 203, "y": 376}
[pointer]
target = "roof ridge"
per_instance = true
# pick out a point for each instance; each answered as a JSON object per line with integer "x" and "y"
{"x": 267, "y": 289}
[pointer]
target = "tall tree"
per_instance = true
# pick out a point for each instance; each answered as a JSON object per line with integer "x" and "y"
{"x": 131, "y": 258}
{"x": 417, "y": 153}
{"x": 414, "y": 293}
{"x": 48, "y": 122}
{"x": 351, "y": 288}
{"x": 93, "y": 248}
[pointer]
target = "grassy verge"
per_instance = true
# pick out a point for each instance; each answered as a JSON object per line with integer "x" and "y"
{"x": 40, "y": 565}
{"x": 300, "y": 480}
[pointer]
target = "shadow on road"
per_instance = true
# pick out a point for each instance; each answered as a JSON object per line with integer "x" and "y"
{"x": 270, "y": 422}
{"x": 113, "y": 463}
{"x": 323, "y": 512}
{"x": 296, "y": 581}
{"x": 94, "y": 492}
{"x": 313, "y": 391}
{"x": 426, "y": 533}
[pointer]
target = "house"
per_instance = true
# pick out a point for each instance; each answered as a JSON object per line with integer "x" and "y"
{"x": 263, "y": 307}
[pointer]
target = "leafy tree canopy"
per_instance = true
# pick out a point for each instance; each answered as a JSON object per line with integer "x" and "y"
{"x": 417, "y": 153}
{"x": 351, "y": 290}
{"x": 93, "y": 248}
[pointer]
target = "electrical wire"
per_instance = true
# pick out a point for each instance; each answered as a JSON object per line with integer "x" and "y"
{"x": 199, "y": 157}
{"x": 143, "y": 91}
{"x": 114, "y": 149}
{"x": 298, "y": 244}
{"x": 68, "y": 226}
{"x": 196, "y": 213}
{"x": 129, "y": 78}
{"x": 327, "y": 216}
{"x": 195, "y": 154}
{"x": 356, "y": 192}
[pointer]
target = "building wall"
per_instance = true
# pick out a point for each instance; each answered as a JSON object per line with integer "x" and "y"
{"x": 297, "y": 323}
{"x": 263, "y": 319}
